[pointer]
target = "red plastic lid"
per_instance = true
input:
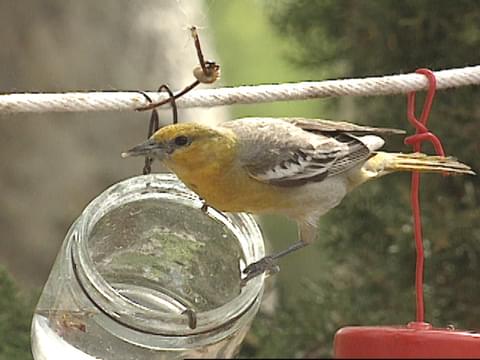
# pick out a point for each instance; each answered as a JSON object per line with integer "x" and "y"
{"x": 416, "y": 340}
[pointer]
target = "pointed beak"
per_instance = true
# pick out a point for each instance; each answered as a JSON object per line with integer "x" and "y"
{"x": 143, "y": 149}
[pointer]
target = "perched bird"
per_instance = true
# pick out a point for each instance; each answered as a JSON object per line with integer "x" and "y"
{"x": 294, "y": 166}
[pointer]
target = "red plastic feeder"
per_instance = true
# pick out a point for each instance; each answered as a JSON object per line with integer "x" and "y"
{"x": 417, "y": 339}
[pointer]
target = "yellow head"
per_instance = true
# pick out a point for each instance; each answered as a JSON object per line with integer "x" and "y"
{"x": 189, "y": 145}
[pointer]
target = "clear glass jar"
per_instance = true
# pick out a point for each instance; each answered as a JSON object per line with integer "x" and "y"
{"x": 143, "y": 273}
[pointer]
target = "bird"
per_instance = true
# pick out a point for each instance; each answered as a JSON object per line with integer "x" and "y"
{"x": 298, "y": 167}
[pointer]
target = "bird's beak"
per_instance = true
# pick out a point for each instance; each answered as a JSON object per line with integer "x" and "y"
{"x": 144, "y": 149}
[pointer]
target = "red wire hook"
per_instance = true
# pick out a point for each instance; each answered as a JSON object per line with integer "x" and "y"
{"x": 422, "y": 134}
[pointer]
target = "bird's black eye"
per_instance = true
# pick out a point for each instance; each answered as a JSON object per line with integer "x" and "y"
{"x": 181, "y": 140}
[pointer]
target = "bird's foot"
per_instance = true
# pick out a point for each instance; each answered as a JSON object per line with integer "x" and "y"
{"x": 204, "y": 207}
{"x": 266, "y": 265}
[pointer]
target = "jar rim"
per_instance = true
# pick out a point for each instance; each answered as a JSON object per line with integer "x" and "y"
{"x": 128, "y": 313}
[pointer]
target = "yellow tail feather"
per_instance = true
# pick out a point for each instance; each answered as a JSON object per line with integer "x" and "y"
{"x": 383, "y": 163}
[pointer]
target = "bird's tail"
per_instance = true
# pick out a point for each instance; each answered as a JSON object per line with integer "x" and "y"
{"x": 383, "y": 163}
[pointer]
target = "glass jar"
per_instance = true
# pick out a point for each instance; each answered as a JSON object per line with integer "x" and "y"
{"x": 143, "y": 273}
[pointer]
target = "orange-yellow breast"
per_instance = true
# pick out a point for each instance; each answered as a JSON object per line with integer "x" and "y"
{"x": 223, "y": 183}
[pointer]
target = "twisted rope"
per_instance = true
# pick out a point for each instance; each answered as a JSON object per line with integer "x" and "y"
{"x": 131, "y": 100}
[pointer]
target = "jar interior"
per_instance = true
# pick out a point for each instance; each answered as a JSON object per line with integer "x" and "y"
{"x": 159, "y": 253}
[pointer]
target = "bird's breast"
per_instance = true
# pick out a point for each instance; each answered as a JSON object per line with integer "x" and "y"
{"x": 232, "y": 189}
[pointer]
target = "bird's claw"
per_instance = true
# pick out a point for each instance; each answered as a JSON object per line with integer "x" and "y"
{"x": 266, "y": 265}
{"x": 204, "y": 207}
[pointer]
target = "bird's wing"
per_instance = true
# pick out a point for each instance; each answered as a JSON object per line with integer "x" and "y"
{"x": 280, "y": 153}
{"x": 325, "y": 126}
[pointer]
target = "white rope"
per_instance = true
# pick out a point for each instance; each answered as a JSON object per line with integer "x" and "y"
{"x": 131, "y": 100}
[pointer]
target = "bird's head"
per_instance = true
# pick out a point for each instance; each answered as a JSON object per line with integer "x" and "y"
{"x": 184, "y": 144}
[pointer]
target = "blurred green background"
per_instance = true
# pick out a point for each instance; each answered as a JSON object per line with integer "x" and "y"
{"x": 361, "y": 269}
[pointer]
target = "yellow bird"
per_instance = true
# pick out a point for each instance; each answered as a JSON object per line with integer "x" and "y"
{"x": 293, "y": 166}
